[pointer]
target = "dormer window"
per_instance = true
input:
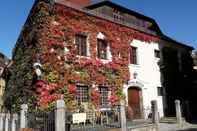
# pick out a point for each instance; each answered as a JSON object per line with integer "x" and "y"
{"x": 101, "y": 49}
{"x": 81, "y": 43}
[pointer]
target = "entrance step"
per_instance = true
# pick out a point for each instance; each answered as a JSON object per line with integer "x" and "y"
{"x": 168, "y": 120}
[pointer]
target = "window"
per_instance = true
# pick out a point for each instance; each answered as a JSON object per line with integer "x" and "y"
{"x": 81, "y": 43}
{"x": 82, "y": 94}
{"x": 160, "y": 91}
{"x": 157, "y": 53}
{"x": 133, "y": 55}
{"x": 104, "y": 95}
{"x": 119, "y": 55}
{"x": 118, "y": 16}
{"x": 101, "y": 49}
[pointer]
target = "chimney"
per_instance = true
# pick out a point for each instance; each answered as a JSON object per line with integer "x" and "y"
{"x": 80, "y": 3}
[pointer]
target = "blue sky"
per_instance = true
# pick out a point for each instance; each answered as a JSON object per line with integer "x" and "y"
{"x": 176, "y": 18}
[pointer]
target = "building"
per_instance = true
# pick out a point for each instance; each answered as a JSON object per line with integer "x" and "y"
{"x": 94, "y": 55}
{"x": 195, "y": 59}
{"x": 3, "y": 63}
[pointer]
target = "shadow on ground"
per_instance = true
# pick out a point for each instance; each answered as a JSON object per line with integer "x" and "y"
{"x": 190, "y": 129}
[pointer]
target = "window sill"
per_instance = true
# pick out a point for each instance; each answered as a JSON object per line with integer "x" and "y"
{"x": 79, "y": 56}
{"x": 134, "y": 65}
{"x": 104, "y": 60}
{"x": 157, "y": 59}
{"x": 105, "y": 108}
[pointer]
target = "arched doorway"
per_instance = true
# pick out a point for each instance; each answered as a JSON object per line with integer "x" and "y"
{"x": 135, "y": 102}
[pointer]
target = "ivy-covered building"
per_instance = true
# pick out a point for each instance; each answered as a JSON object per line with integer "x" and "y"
{"x": 4, "y": 61}
{"x": 93, "y": 55}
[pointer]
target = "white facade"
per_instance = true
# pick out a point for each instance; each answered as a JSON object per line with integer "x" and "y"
{"x": 148, "y": 76}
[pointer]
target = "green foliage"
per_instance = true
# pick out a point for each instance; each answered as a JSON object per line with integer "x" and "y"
{"x": 69, "y": 99}
{"x": 52, "y": 77}
{"x": 20, "y": 88}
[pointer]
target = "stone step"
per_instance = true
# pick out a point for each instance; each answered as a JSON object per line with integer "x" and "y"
{"x": 171, "y": 120}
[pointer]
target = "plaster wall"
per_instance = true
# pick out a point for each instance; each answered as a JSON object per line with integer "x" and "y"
{"x": 148, "y": 75}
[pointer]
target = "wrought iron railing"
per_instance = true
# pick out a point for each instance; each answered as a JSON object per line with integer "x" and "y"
{"x": 94, "y": 120}
{"x": 41, "y": 121}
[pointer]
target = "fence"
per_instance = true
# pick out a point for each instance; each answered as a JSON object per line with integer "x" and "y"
{"x": 41, "y": 121}
{"x": 94, "y": 120}
{"x": 9, "y": 122}
{"x": 62, "y": 120}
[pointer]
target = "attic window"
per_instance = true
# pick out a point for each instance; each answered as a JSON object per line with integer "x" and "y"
{"x": 117, "y": 15}
{"x": 116, "y": 11}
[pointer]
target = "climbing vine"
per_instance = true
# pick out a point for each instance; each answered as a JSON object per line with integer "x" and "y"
{"x": 62, "y": 69}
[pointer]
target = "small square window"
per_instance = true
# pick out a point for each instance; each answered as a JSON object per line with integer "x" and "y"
{"x": 160, "y": 91}
{"x": 157, "y": 53}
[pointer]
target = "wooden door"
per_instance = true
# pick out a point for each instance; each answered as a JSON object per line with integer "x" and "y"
{"x": 134, "y": 102}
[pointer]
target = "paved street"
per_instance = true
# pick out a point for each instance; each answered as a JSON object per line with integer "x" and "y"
{"x": 174, "y": 127}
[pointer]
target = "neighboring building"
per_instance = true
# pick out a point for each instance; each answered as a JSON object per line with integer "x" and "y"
{"x": 193, "y": 88}
{"x": 3, "y": 63}
{"x": 176, "y": 69}
{"x": 195, "y": 59}
{"x": 94, "y": 55}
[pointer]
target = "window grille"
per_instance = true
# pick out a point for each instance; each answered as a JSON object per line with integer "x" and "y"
{"x": 82, "y": 94}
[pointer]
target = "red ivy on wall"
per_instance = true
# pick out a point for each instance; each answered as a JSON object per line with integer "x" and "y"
{"x": 65, "y": 69}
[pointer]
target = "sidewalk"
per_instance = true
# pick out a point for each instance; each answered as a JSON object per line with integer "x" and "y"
{"x": 175, "y": 127}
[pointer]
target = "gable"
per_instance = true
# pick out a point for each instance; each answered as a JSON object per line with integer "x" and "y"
{"x": 125, "y": 16}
